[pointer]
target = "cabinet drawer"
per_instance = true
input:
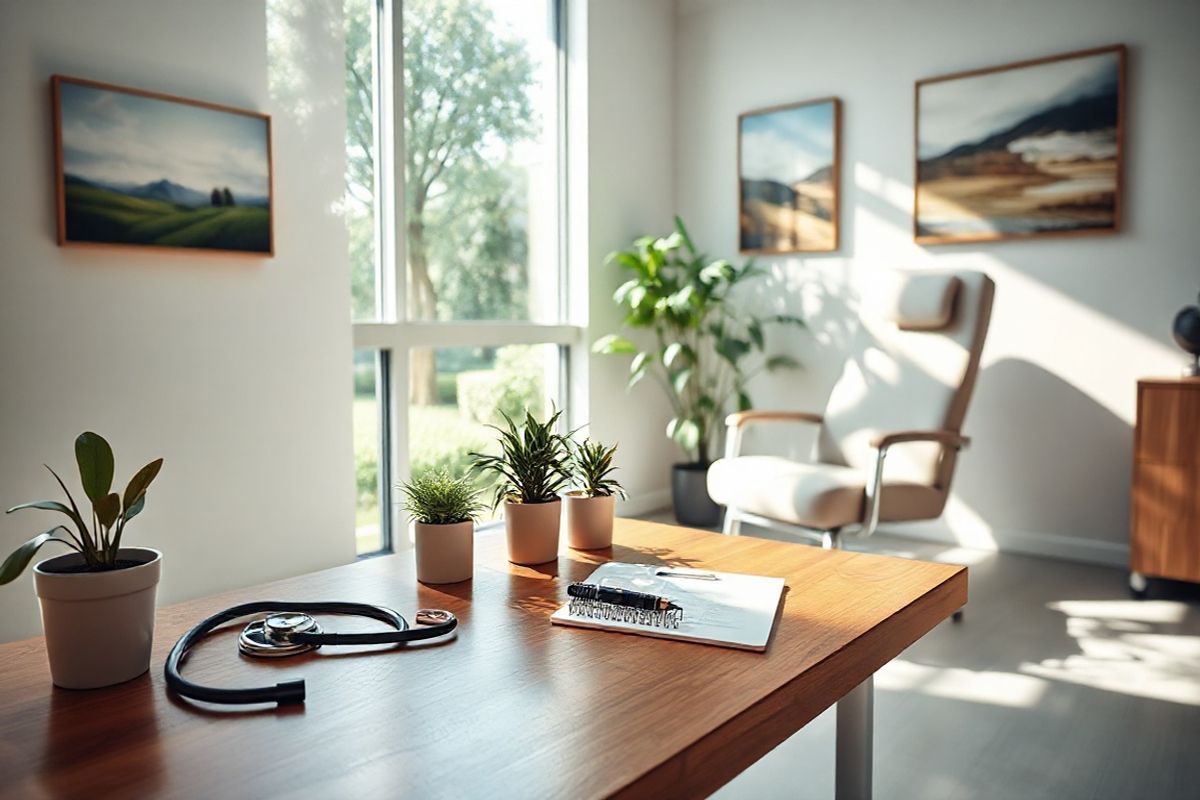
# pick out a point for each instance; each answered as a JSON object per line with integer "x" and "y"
{"x": 1166, "y": 521}
{"x": 1168, "y": 425}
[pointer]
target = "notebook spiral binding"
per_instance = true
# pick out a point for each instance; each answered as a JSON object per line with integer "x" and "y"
{"x": 596, "y": 609}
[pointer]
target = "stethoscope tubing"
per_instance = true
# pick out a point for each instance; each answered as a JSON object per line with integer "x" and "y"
{"x": 288, "y": 692}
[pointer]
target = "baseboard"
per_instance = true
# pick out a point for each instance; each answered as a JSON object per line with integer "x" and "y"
{"x": 644, "y": 503}
{"x": 1047, "y": 545}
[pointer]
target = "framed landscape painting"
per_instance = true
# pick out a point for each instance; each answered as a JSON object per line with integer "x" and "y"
{"x": 140, "y": 169}
{"x": 1023, "y": 150}
{"x": 788, "y": 177}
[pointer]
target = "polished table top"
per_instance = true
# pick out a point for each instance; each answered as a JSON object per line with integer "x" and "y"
{"x": 513, "y": 706}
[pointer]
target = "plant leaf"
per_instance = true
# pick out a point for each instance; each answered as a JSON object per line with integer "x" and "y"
{"x": 744, "y": 403}
{"x": 95, "y": 459}
{"x": 141, "y": 481}
{"x": 108, "y": 509}
{"x": 638, "y": 369}
{"x": 756, "y": 333}
{"x": 782, "y": 362}
{"x": 672, "y": 352}
{"x": 680, "y": 381}
{"x": 636, "y": 295}
{"x": 716, "y": 271}
{"x": 682, "y": 230}
{"x": 44, "y": 505}
{"x": 135, "y": 509}
{"x": 687, "y": 435}
{"x": 789, "y": 319}
{"x": 16, "y": 562}
{"x": 623, "y": 290}
{"x": 613, "y": 344}
{"x": 732, "y": 349}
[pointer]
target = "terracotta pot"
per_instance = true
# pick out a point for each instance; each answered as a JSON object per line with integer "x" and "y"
{"x": 590, "y": 521}
{"x": 532, "y": 530}
{"x": 99, "y": 625}
{"x": 445, "y": 553}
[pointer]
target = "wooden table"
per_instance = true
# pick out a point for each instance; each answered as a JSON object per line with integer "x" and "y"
{"x": 513, "y": 707}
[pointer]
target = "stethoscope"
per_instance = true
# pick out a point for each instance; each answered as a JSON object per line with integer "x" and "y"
{"x": 288, "y": 630}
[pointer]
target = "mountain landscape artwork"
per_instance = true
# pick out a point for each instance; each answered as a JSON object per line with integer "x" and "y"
{"x": 1025, "y": 150}
{"x": 142, "y": 169}
{"x": 788, "y": 178}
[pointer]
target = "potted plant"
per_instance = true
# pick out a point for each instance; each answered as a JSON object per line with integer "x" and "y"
{"x": 443, "y": 510}
{"x": 97, "y": 602}
{"x": 592, "y": 505}
{"x": 530, "y": 471}
{"x": 703, "y": 351}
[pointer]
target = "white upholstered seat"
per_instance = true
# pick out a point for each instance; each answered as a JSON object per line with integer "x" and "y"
{"x": 818, "y": 496}
{"x": 903, "y": 393}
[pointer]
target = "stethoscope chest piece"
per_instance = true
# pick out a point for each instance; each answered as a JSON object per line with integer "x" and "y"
{"x": 271, "y": 637}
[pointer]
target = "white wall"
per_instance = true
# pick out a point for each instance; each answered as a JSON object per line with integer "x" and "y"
{"x": 622, "y": 137}
{"x": 1076, "y": 321}
{"x": 236, "y": 370}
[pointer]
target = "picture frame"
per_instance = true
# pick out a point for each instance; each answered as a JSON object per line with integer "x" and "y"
{"x": 1044, "y": 159}
{"x": 789, "y": 178}
{"x": 152, "y": 171}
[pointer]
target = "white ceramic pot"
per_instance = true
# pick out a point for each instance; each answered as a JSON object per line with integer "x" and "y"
{"x": 445, "y": 553}
{"x": 532, "y": 530}
{"x": 99, "y": 625}
{"x": 590, "y": 521}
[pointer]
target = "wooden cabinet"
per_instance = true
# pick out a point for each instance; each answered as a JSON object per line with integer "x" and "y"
{"x": 1165, "y": 524}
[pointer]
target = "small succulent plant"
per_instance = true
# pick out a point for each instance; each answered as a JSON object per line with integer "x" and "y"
{"x": 591, "y": 464}
{"x": 532, "y": 464}
{"x": 436, "y": 498}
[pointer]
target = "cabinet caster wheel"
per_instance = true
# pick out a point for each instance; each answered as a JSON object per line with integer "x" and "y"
{"x": 957, "y": 616}
{"x": 1138, "y": 584}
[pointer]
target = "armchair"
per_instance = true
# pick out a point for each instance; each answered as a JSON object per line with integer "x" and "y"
{"x": 889, "y": 436}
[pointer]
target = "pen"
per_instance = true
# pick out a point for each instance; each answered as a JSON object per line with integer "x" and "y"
{"x": 621, "y": 597}
{"x": 699, "y": 576}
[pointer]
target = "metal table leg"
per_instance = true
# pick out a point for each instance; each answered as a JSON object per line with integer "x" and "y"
{"x": 855, "y": 730}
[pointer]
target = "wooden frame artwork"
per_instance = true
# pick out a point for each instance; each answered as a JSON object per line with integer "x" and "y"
{"x": 141, "y": 169}
{"x": 789, "y": 177}
{"x": 1024, "y": 150}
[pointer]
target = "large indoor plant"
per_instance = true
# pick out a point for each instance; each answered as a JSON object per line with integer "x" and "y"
{"x": 591, "y": 505}
{"x": 443, "y": 510}
{"x": 530, "y": 471}
{"x": 97, "y": 602}
{"x": 702, "y": 352}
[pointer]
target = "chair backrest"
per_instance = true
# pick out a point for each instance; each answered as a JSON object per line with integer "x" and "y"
{"x": 912, "y": 366}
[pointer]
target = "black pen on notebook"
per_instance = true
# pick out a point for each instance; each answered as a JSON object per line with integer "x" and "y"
{"x": 621, "y": 597}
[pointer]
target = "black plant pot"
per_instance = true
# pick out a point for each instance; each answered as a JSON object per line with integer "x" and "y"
{"x": 689, "y": 494}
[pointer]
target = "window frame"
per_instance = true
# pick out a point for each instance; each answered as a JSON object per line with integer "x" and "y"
{"x": 392, "y": 334}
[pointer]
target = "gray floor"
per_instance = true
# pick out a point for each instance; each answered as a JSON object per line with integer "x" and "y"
{"x": 1055, "y": 685}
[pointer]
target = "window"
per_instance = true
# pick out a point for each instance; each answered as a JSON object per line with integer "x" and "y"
{"x": 454, "y": 210}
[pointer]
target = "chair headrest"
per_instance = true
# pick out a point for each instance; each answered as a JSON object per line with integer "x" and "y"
{"x": 914, "y": 301}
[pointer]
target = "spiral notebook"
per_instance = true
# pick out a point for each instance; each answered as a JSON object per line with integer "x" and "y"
{"x": 718, "y": 608}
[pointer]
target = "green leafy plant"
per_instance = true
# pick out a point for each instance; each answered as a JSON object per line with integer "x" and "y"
{"x": 436, "y": 498}
{"x": 532, "y": 464}
{"x": 100, "y": 542}
{"x": 705, "y": 349}
{"x": 591, "y": 464}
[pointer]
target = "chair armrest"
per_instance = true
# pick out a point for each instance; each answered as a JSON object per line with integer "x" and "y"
{"x": 946, "y": 438}
{"x": 740, "y": 419}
